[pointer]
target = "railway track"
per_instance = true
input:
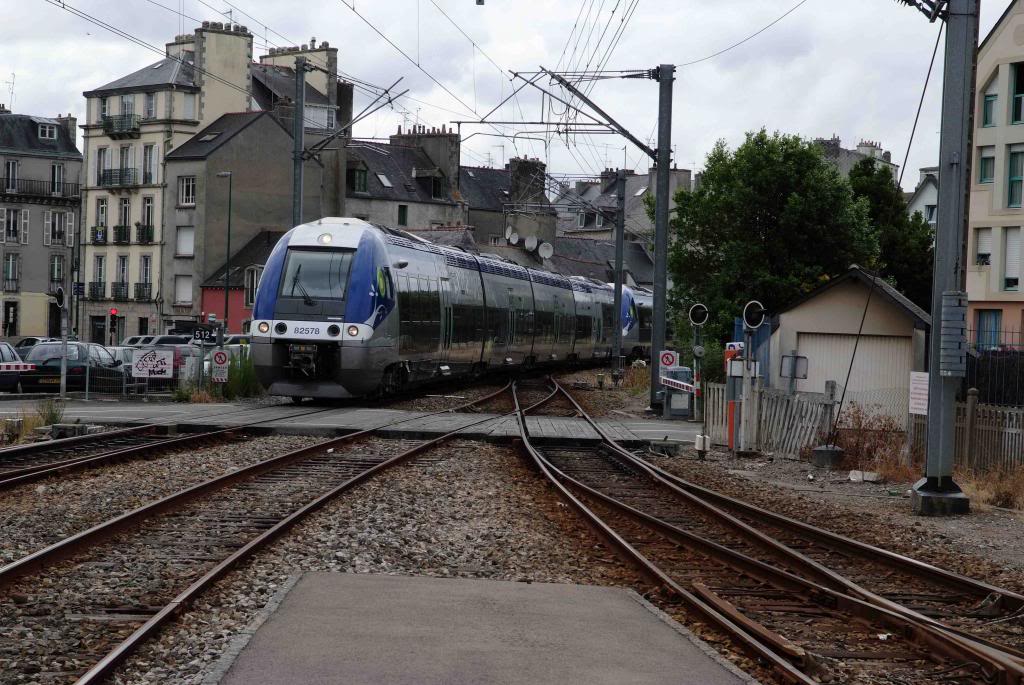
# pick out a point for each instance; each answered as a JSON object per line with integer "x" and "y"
{"x": 793, "y": 611}
{"x": 75, "y": 610}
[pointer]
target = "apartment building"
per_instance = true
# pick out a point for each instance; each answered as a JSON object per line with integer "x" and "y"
{"x": 996, "y": 299}
{"x": 39, "y": 211}
{"x": 132, "y": 124}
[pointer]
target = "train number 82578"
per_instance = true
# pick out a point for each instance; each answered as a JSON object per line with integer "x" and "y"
{"x": 305, "y": 330}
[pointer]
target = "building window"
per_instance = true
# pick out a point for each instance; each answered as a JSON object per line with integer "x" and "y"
{"x": 599, "y": 220}
{"x": 124, "y": 212}
{"x": 48, "y": 131}
{"x": 148, "y": 164}
{"x": 403, "y": 215}
{"x": 1011, "y": 251}
{"x": 988, "y": 110}
{"x": 1016, "y": 185}
{"x": 1018, "y": 93}
{"x": 99, "y": 268}
{"x": 127, "y": 104}
{"x": 581, "y": 219}
{"x": 56, "y": 179}
{"x": 438, "y": 188}
{"x": 143, "y": 325}
{"x": 182, "y": 290}
{"x": 101, "y": 211}
{"x": 359, "y": 180}
{"x": 185, "y": 242}
{"x": 987, "y": 164}
{"x": 989, "y": 323}
{"x": 104, "y": 109}
{"x": 187, "y": 191}
{"x": 57, "y": 268}
{"x": 147, "y": 211}
{"x": 102, "y": 163}
{"x": 121, "y": 269}
{"x": 146, "y": 269}
{"x": 983, "y": 246}
{"x": 11, "y": 234}
{"x": 384, "y": 180}
{"x": 58, "y": 228}
{"x": 252, "y": 280}
{"x": 497, "y": 241}
{"x": 11, "y": 175}
{"x": 150, "y": 107}
{"x": 929, "y": 213}
{"x": 126, "y": 159}
{"x": 190, "y": 105}
{"x": 10, "y": 266}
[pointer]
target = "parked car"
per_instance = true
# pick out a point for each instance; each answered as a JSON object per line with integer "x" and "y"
{"x": 105, "y": 373}
{"x": 9, "y": 378}
{"x": 230, "y": 339}
{"x": 136, "y": 340}
{"x": 25, "y": 344}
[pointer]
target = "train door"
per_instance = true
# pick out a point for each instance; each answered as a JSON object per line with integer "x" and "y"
{"x": 447, "y": 320}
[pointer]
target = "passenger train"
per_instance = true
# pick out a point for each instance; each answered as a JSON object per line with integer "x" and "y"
{"x": 349, "y": 309}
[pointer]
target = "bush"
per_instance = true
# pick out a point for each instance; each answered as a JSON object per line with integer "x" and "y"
{"x": 874, "y": 442}
{"x": 999, "y": 488}
{"x": 49, "y": 412}
{"x": 242, "y": 381}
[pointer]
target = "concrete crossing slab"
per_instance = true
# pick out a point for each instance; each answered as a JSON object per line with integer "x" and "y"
{"x": 337, "y": 628}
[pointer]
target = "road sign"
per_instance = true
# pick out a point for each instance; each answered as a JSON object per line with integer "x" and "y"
{"x": 669, "y": 359}
{"x": 203, "y": 333}
{"x": 219, "y": 366}
{"x": 78, "y": 288}
{"x": 153, "y": 364}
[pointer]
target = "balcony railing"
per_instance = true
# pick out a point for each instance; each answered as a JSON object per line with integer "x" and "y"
{"x": 52, "y": 288}
{"x": 97, "y": 290}
{"x": 98, "y": 235}
{"x": 119, "y": 291}
{"x": 143, "y": 234}
{"x": 10, "y": 285}
{"x": 143, "y": 292}
{"x": 122, "y": 235}
{"x": 119, "y": 178}
{"x": 122, "y": 125}
{"x": 12, "y": 235}
{"x": 33, "y": 188}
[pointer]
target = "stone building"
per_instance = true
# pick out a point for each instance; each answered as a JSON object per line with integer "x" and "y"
{"x": 39, "y": 213}
{"x": 845, "y": 160}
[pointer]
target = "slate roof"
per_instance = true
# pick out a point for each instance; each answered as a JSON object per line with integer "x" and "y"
{"x": 226, "y": 127}
{"x": 396, "y": 163}
{"x": 19, "y": 133}
{"x": 882, "y": 288}
{"x": 596, "y": 259}
{"x": 485, "y": 188}
{"x": 254, "y": 253}
{"x": 163, "y": 74}
{"x": 271, "y": 83}
{"x": 460, "y": 237}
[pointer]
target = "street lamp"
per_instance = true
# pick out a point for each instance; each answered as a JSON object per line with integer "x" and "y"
{"x": 227, "y": 260}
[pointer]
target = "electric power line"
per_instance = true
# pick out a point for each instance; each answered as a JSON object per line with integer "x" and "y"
{"x": 750, "y": 37}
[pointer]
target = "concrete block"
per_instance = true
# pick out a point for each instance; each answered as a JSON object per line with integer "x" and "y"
{"x": 928, "y": 500}
{"x": 865, "y": 477}
{"x": 827, "y": 456}
{"x": 67, "y": 430}
{"x": 12, "y": 427}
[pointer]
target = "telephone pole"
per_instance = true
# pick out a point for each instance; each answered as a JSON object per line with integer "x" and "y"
{"x": 665, "y": 76}
{"x": 298, "y": 131}
{"x": 620, "y": 230}
{"x": 936, "y": 493}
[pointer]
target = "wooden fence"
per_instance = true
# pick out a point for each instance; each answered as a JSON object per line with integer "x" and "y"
{"x": 785, "y": 424}
{"x": 989, "y": 437}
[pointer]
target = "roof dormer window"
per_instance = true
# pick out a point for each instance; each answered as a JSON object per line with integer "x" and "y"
{"x": 48, "y": 131}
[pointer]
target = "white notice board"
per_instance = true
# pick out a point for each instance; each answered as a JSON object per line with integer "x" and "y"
{"x": 919, "y": 392}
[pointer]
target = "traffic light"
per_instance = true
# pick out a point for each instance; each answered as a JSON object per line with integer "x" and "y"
{"x": 113, "y": 318}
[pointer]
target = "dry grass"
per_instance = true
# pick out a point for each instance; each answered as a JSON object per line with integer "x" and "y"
{"x": 1000, "y": 488}
{"x": 875, "y": 442}
{"x": 636, "y": 381}
{"x": 201, "y": 396}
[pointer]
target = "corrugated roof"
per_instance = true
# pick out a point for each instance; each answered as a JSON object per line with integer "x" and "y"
{"x": 20, "y": 133}
{"x": 396, "y": 163}
{"x": 254, "y": 253}
{"x": 202, "y": 144}
{"x": 166, "y": 72}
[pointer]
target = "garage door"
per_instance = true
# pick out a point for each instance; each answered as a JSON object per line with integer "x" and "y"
{"x": 881, "y": 372}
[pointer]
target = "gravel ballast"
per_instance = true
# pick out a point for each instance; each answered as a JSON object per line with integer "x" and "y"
{"x": 36, "y": 515}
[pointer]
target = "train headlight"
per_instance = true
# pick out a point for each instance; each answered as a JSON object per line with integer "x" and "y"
{"x": 353, "y": 331}
{"x": 324, "y": 238}
{"x": 264, "y": 327}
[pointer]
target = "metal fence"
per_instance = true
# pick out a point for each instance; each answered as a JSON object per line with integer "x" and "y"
{"x": 995, "y": 367}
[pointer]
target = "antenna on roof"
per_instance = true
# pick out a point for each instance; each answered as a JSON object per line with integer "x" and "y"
{"x": 10, "y": 91}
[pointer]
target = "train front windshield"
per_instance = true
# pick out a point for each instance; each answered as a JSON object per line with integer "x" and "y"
{"x": 316, "y": 274}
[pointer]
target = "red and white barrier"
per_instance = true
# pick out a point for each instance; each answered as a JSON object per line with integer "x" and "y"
{"x": 16, "y": 366}
{"x": 678, "y": 385}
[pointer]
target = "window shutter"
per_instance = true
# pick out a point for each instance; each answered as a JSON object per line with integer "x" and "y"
{"x": 47, "y": 227}
{"x": 1012, "y": 266}
{"x": 24, "y": 227}
{"x": 69, "y": 230}
{"x": 3, "y": 223}
{"x": 984, "y": 241}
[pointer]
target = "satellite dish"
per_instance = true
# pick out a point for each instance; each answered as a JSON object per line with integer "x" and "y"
{"x": 546, "y": 250}
{"x": 513, "y": 238}
{"x": 531, "y": 243}
{"x": 509, "y": 231}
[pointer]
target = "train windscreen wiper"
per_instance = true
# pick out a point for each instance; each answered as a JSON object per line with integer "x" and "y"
{"x": 302, "y": 290}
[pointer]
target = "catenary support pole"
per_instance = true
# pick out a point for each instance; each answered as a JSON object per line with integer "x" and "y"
{"x": 936, "y": 493}
{"x": 298, "y": 129}
{"x": 620, "y": 230}
{"x": 665, "y": 78}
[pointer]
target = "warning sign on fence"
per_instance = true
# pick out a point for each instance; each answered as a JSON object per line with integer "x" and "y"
{"x": 219, "y": 366}
{"x": 153, "y": 364}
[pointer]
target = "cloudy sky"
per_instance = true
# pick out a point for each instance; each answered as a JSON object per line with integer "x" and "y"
{"x": 853, "y": 69}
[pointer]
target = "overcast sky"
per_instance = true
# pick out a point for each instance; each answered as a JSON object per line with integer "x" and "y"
{"x": 853, "y": 69}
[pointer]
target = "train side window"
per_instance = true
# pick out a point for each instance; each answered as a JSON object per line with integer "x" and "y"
{"x": 584, "y": 326}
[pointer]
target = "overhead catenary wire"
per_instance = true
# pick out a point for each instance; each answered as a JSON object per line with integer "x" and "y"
{"x": 755, "y": 34}
{"x": 920, "y": 103}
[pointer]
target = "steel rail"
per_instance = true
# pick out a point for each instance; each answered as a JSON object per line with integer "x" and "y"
{"x": 1005, "y": 658}
{"x": 753, "y": 644}
{"x": 105, "y": 666}
{"x": 75, "y": 543}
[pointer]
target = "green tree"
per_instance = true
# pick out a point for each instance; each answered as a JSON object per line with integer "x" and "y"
{"x": 905, "y": 242}
{"x": 771, "y": 220}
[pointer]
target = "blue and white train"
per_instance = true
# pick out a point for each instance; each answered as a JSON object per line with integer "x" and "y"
{"x": 349, "y": 309}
